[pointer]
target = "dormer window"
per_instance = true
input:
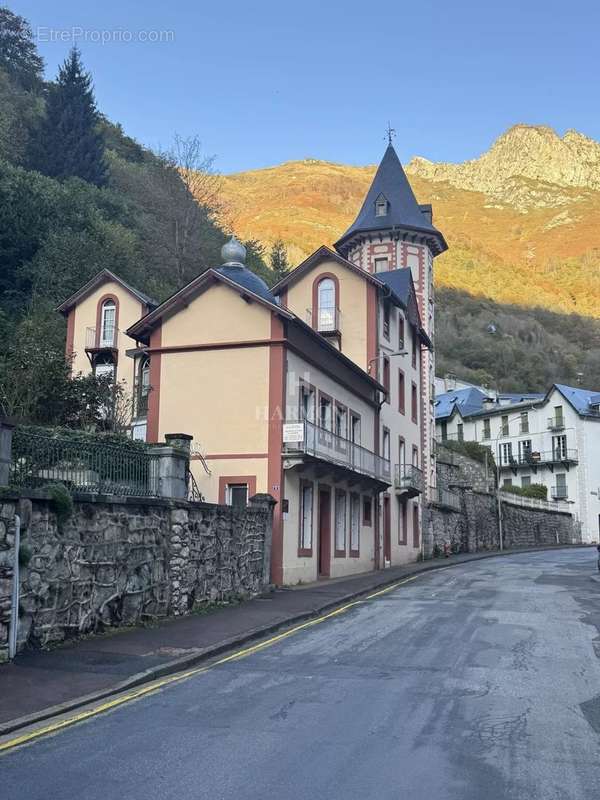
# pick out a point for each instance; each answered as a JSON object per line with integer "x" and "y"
{"x": 381, "y": 206}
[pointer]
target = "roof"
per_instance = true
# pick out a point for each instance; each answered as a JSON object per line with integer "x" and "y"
{"x": 320, "y": 254}
{"x": 582, "y": 400}
{"x": 248, "y": 280}
{"x": 467, "y": 401}
{"x": 401, "y": 285}
{"x": 99, "y": 278}
{"x": 403, "y": 209}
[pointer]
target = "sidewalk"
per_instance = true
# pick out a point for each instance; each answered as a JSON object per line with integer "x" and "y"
{"x": 40, "y": 684}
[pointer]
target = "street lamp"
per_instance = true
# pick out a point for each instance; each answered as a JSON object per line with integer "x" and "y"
{"x": 386, "y": 355}
{"x": 497, "y": 458}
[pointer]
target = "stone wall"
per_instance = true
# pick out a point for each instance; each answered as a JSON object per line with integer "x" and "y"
{"x": 7, "y": 560}
{"x": 125, "y": 561}
{"x": 453, "y": 467}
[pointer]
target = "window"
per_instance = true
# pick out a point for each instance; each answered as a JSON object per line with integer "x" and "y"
{"x": 526, "y": 480}
{"x": 237, "y": 495}
{"x": 506, "y": 456}
{"x": 444, "y": 431}
{"x": 381, "y": 264}
{"x": 340, "y": 522}
{"x": 401, "y": 393}
{"x": 386, "y": 318}
{"x": 524, "y": 422}
{"x": 367, "y": 511}
{"x": 524, "y": 451}
{"x": 108, "y": 323}
{"x": 400, "y": 331}
{"x": 306, "y": 517}
{"x": 386, "y": 377}
{"x": 143, "y": 387}
{"x": 558, "y": 415}
{"x": 326, "y": 306}
{"x": 401, "y": 451}
{"x": 416, "y": 527}
{"x": 460, "y": 432}
{"x": 560, "y": 491}
{"x": 415, "y": 456}
{"x": 341, "y": 421}
{"x": 559, "y": 447}
{"x": 414, "y": 346}
{"x": 504, "y": 426}
{"x": 385, "y": 449}
{"x": 104, "y": 366}
{"x": 381, "y": 206}
{"x": 354, "y": 524}
{"x": 413, "y": 397}
{"x": 354, "y": 428}
{"x": 325, "y": 419}
{"x": 487, "y": 431}
{"x": 507, "y": 482}
{"x": 413, "y": 259}
{"x": 307, "y": 402}
{"x": 402, "y": 523}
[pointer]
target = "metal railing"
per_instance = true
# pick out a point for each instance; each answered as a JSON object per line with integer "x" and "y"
{"x": 408, "y": 478}
{"x": 328, "y": 446}
{"x": 556, "y": 423}
{"x": 535, "y": 458}
{"x": 325, "y": 320}
{"x": 559, "y": 492}
{"x": 108, "y": 338}
{"x": 534, "y": 502}
{"x": 97, "y": 467}
{"x": 444, "y": 497}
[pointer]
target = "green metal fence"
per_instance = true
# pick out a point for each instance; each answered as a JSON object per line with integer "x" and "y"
{"x": 85, "y": 466}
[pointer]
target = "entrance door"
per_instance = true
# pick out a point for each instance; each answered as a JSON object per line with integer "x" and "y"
{"x": 324, "y": 533}
{"x": 387, "y": 531}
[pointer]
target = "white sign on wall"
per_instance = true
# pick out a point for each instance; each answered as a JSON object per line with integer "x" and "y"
{"x": 293, "y": 432}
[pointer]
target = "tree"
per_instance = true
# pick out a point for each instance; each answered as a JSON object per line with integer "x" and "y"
{"x": 71, "y": 143}
{"x": 279, "y": 260}
{"x": 18, "y": 53}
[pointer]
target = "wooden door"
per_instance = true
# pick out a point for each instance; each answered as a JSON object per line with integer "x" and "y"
{"x": 324, "y": 533}
{"x": 387, "y": 531}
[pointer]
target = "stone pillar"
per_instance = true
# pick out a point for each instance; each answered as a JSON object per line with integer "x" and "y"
{"x": 8, "y": 556}
{"x": 181, "y": 441}
{"x": 6, "y": 431}
{"x": 172, "y": 468}
{"x": 265, "y": 502}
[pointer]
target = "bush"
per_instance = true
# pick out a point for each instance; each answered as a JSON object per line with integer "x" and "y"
{"x": 474, "y": 450}
{"x": 536, "y": 490}
{"x": 61, "y": 503}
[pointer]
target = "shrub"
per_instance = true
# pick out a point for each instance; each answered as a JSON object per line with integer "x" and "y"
{"x": 472, "y": 450}
{"x": 535, "y": 490}
{"x": 61, "y": 503}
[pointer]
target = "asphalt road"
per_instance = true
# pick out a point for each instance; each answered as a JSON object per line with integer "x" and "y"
{"x": 477, "y": 682}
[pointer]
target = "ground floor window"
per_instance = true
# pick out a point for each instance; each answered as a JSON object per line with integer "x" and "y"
{"x": 526, "y": 480}
{"x": 416, "y": 528}
{"x": 354, "y": 523}
{"x": 237, "y": 495}
{"x": 340, "y": 522}
{"x": 306, "y": 516}
{"x": 236, "y": 490}
{"x": 367, "y": 510}
{"x": 402, "y": 523}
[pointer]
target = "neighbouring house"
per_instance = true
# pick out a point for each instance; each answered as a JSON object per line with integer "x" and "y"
{"x": 317, "y": 391}
{"x": 551, "y": 439}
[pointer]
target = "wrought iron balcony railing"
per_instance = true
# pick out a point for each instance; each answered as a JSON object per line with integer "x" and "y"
{"x": 409, "y": 479}
{"x": 444, "y": 497}
{"x": 327, "y": 446}
{"x": 556, "y": 423}
{"x": 106, "y": 339}
{"x": 325, "y": 320}
{"x": 559, "y": 492}
{"x": 536, "y": 458}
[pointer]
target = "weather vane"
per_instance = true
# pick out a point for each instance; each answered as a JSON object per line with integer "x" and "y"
{"x": 391, "y": 132}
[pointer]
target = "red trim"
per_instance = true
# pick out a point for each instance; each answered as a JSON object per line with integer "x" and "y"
{"x": 414, "y": 402}
{"x": 367, "y": 522}
{"x": 101, "y": 302}
{"x": 187, "y": 348}
{"x": 315, "y": 295}
{"x": 356, "y": 497}
{"x": 221, "y": 456}
{"x": 401, "y": 392}
{"x": 386, "y": 378}
{"x": 325, "y": 559}
{"x": 224, "y": 480}
{"x": 416, "y": 527}
{"x": 371, "y": 327}
{"x": 275, "y": 475}
{"x": 340, "y": 553}
{"x": 70, "y": 333}
{"x": 305, "y": 552}
{"x": 402, "y": 524}
{"x": 303, "y": 384}
{"x": 152, "y": 423}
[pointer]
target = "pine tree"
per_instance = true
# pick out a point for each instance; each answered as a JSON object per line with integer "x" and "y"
{"x": 71, "y": 142}
{"x": 18, "y": 53}
{"x": 279, "y": 260}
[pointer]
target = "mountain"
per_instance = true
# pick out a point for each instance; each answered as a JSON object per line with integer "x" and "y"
{"x": 522, "y": 220}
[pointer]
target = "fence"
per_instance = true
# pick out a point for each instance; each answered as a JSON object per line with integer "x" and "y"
{"x": 534, "y": 502}
{"x": 445, "y": 498}
{"x": 87, "y": 466}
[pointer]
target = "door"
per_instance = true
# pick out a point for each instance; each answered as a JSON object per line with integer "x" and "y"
{"x": 387, "y": 531}
{"x": 324, "y": 566}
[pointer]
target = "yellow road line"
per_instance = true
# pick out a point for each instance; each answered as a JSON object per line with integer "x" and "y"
{"x": 180, "y": 676}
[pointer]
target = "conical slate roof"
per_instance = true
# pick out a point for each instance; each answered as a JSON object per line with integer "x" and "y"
{"x": 403, "y": 211}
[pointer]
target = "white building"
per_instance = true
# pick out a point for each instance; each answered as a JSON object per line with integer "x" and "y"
{"x": 551, "y": 439}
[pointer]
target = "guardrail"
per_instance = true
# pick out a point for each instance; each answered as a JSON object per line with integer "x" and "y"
{"x": 445, "y": 498}
{"x": 108, "y": 338}
{"x": 534, "y": 502}
{"x": 408, "y": 478}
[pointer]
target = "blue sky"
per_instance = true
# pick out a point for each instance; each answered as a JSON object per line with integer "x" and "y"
{"x": 265, "y": 82}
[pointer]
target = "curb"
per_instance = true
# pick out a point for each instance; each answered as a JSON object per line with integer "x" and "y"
{"x": 205, "y": 653}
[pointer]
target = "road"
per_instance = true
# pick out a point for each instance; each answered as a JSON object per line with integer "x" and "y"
{"x": 477, "y": 682}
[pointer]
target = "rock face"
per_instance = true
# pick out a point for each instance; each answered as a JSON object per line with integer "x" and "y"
{"x": 525, "y": 167}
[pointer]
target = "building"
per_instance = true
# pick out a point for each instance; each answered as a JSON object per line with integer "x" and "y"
{"x": 316, "y": 391}
{"x": 551, "y": 439}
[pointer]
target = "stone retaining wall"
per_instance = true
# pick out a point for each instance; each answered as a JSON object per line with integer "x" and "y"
{"x": 125, "y": 561}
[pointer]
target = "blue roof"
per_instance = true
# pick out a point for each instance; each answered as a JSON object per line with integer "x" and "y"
{"x": 248, "y": 280}
{"x": 521, "y": 398}
{"x": 400, "y": 282}
{"x": 467, "y": 401}
{"x": 403, "y": 211}
{"x": 582, "y": 400}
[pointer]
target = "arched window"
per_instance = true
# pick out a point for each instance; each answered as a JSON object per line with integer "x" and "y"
{"x": 326, "y": 317}
{"x": 381, "y": 206}
{"x": 108, "y": 321}
{"x": 143, "y": 387}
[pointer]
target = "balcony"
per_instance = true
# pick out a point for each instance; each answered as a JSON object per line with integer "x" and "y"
{"x": 306, "y": 443}
{"x": 564, "y": 456}
{"x": 408, "y": 480}
{"x": 327, "y": 321}
{"x": 106, "y": 341}
{"x": 559, "y": 493}
{"x": 556, "y": 424}
{"x": 445, "y": 498}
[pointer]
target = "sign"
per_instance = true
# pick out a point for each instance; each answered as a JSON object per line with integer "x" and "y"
{"x": 293, "y": 432}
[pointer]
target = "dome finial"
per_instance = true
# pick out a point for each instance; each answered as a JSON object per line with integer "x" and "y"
{"x": 233, "y": 252}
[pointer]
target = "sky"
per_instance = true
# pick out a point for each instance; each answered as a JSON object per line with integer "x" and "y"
{"x": 267, "y": 82}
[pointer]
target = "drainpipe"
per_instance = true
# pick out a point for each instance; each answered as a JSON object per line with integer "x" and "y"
{"x": 14, "y": 609}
